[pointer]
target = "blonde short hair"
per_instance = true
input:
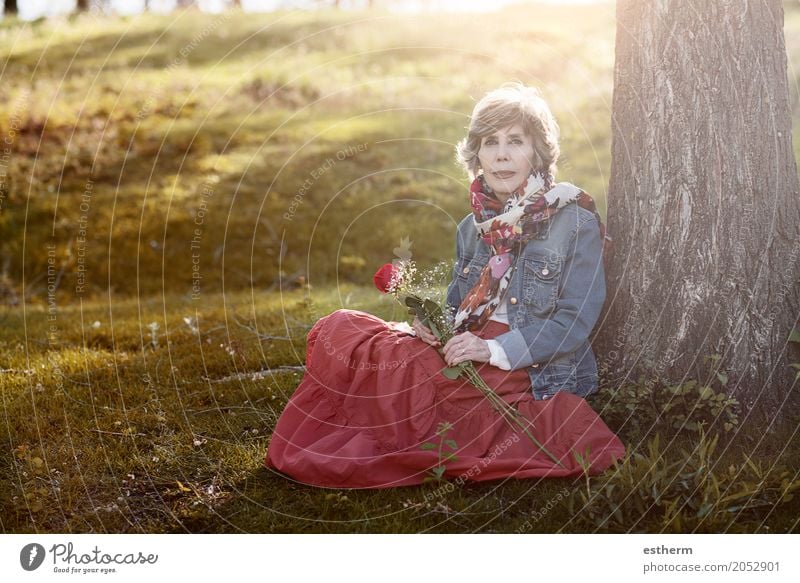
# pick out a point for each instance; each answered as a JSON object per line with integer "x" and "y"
{"x": 510, "y": 104}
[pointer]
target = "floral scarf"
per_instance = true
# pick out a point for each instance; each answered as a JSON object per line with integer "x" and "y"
{"x": 506, "y": 229}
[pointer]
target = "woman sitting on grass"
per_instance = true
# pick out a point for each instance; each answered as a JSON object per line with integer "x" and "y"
{"x": 527, "y": 288}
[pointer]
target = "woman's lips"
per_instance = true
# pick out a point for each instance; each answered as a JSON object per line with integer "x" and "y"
{"x": 504, "y": 175}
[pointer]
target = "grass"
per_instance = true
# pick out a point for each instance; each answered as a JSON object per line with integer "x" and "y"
{"x": 145, "y": 114}
{"x": 139, "y": 117}
{"x": 113, "y": 424}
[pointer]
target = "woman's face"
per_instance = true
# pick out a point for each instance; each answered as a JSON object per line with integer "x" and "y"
{"x": 506, "y": 157}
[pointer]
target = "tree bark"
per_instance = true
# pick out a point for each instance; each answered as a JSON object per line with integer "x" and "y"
{"x": 82, "y": 6}
{"x": 10, "y": 7}
{"x": 704, "y": 200}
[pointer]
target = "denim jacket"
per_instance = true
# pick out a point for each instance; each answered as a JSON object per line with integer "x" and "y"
{"x": 554, "y": 299}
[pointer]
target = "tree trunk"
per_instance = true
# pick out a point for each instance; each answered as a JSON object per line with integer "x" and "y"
{"x": 704, "y": 200}
{"x": 10, "y": 7}
{"x": 82, "y": 5}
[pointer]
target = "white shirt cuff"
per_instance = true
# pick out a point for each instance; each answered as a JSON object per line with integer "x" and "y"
{"x": 401, "y": 327}
{"x": 499, "y": 357}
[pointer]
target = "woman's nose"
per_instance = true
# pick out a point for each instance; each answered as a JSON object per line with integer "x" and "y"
{"x": 502, "y": 151}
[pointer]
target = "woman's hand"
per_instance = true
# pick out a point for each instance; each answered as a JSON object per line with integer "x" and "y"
{"x": 424, "y": 333}
{"x": 466, "y": 346}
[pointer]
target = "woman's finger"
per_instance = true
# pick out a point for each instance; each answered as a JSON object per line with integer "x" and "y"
{"x": 424, "y": 333}
{"x": 451, "y": 351}
{"x": 448, "y": 351}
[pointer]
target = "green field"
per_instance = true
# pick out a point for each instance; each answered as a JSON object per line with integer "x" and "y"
{"x": 185, "y": 196}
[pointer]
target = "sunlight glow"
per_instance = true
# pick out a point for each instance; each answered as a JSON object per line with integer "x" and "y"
{"x": 32, "y": 9}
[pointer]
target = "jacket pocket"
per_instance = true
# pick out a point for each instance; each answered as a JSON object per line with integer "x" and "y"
{"x": 469, "y": 270}
{"x": 540, "y": 280}
{"x": 558, "y": 376}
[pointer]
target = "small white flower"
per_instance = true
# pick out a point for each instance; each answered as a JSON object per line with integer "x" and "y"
{"x": 192, "y": 324}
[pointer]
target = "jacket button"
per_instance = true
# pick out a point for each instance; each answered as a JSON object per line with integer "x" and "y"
{"x": 535, "y": 365}
{"x": 513, "y": 300}
{"x": 545, "y": 271}
{"x": 465, "y": 270}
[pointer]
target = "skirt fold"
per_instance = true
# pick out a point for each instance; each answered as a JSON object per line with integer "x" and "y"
{"x": 373, "y": 396}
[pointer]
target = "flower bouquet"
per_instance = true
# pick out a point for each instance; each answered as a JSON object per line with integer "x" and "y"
{"x": 398, "y": 280}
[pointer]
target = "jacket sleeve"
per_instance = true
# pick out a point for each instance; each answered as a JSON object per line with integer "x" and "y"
{"x": 579, "y": 304}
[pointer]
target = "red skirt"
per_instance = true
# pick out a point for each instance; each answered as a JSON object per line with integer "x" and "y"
{"x": 372, "y": 396}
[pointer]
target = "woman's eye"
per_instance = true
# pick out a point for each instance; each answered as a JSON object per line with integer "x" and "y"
{"x": 490, "y": 142}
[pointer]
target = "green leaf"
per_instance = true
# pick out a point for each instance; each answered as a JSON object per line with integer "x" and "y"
{"x": 427, "y": 311}
{"x": 452, "y": 372}
{"x": 443, "y": 427}
{"x": 451, "y": 443}
{"x": 427, "y": 446}
{"x": 415, "y": 304}
{"x": 723, "y": 378}
{"x": 432, "y": 307}
{"x": 795, "y": 335}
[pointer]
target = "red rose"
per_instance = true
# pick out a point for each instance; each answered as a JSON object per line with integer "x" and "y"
{"x": 383, "y": 277}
